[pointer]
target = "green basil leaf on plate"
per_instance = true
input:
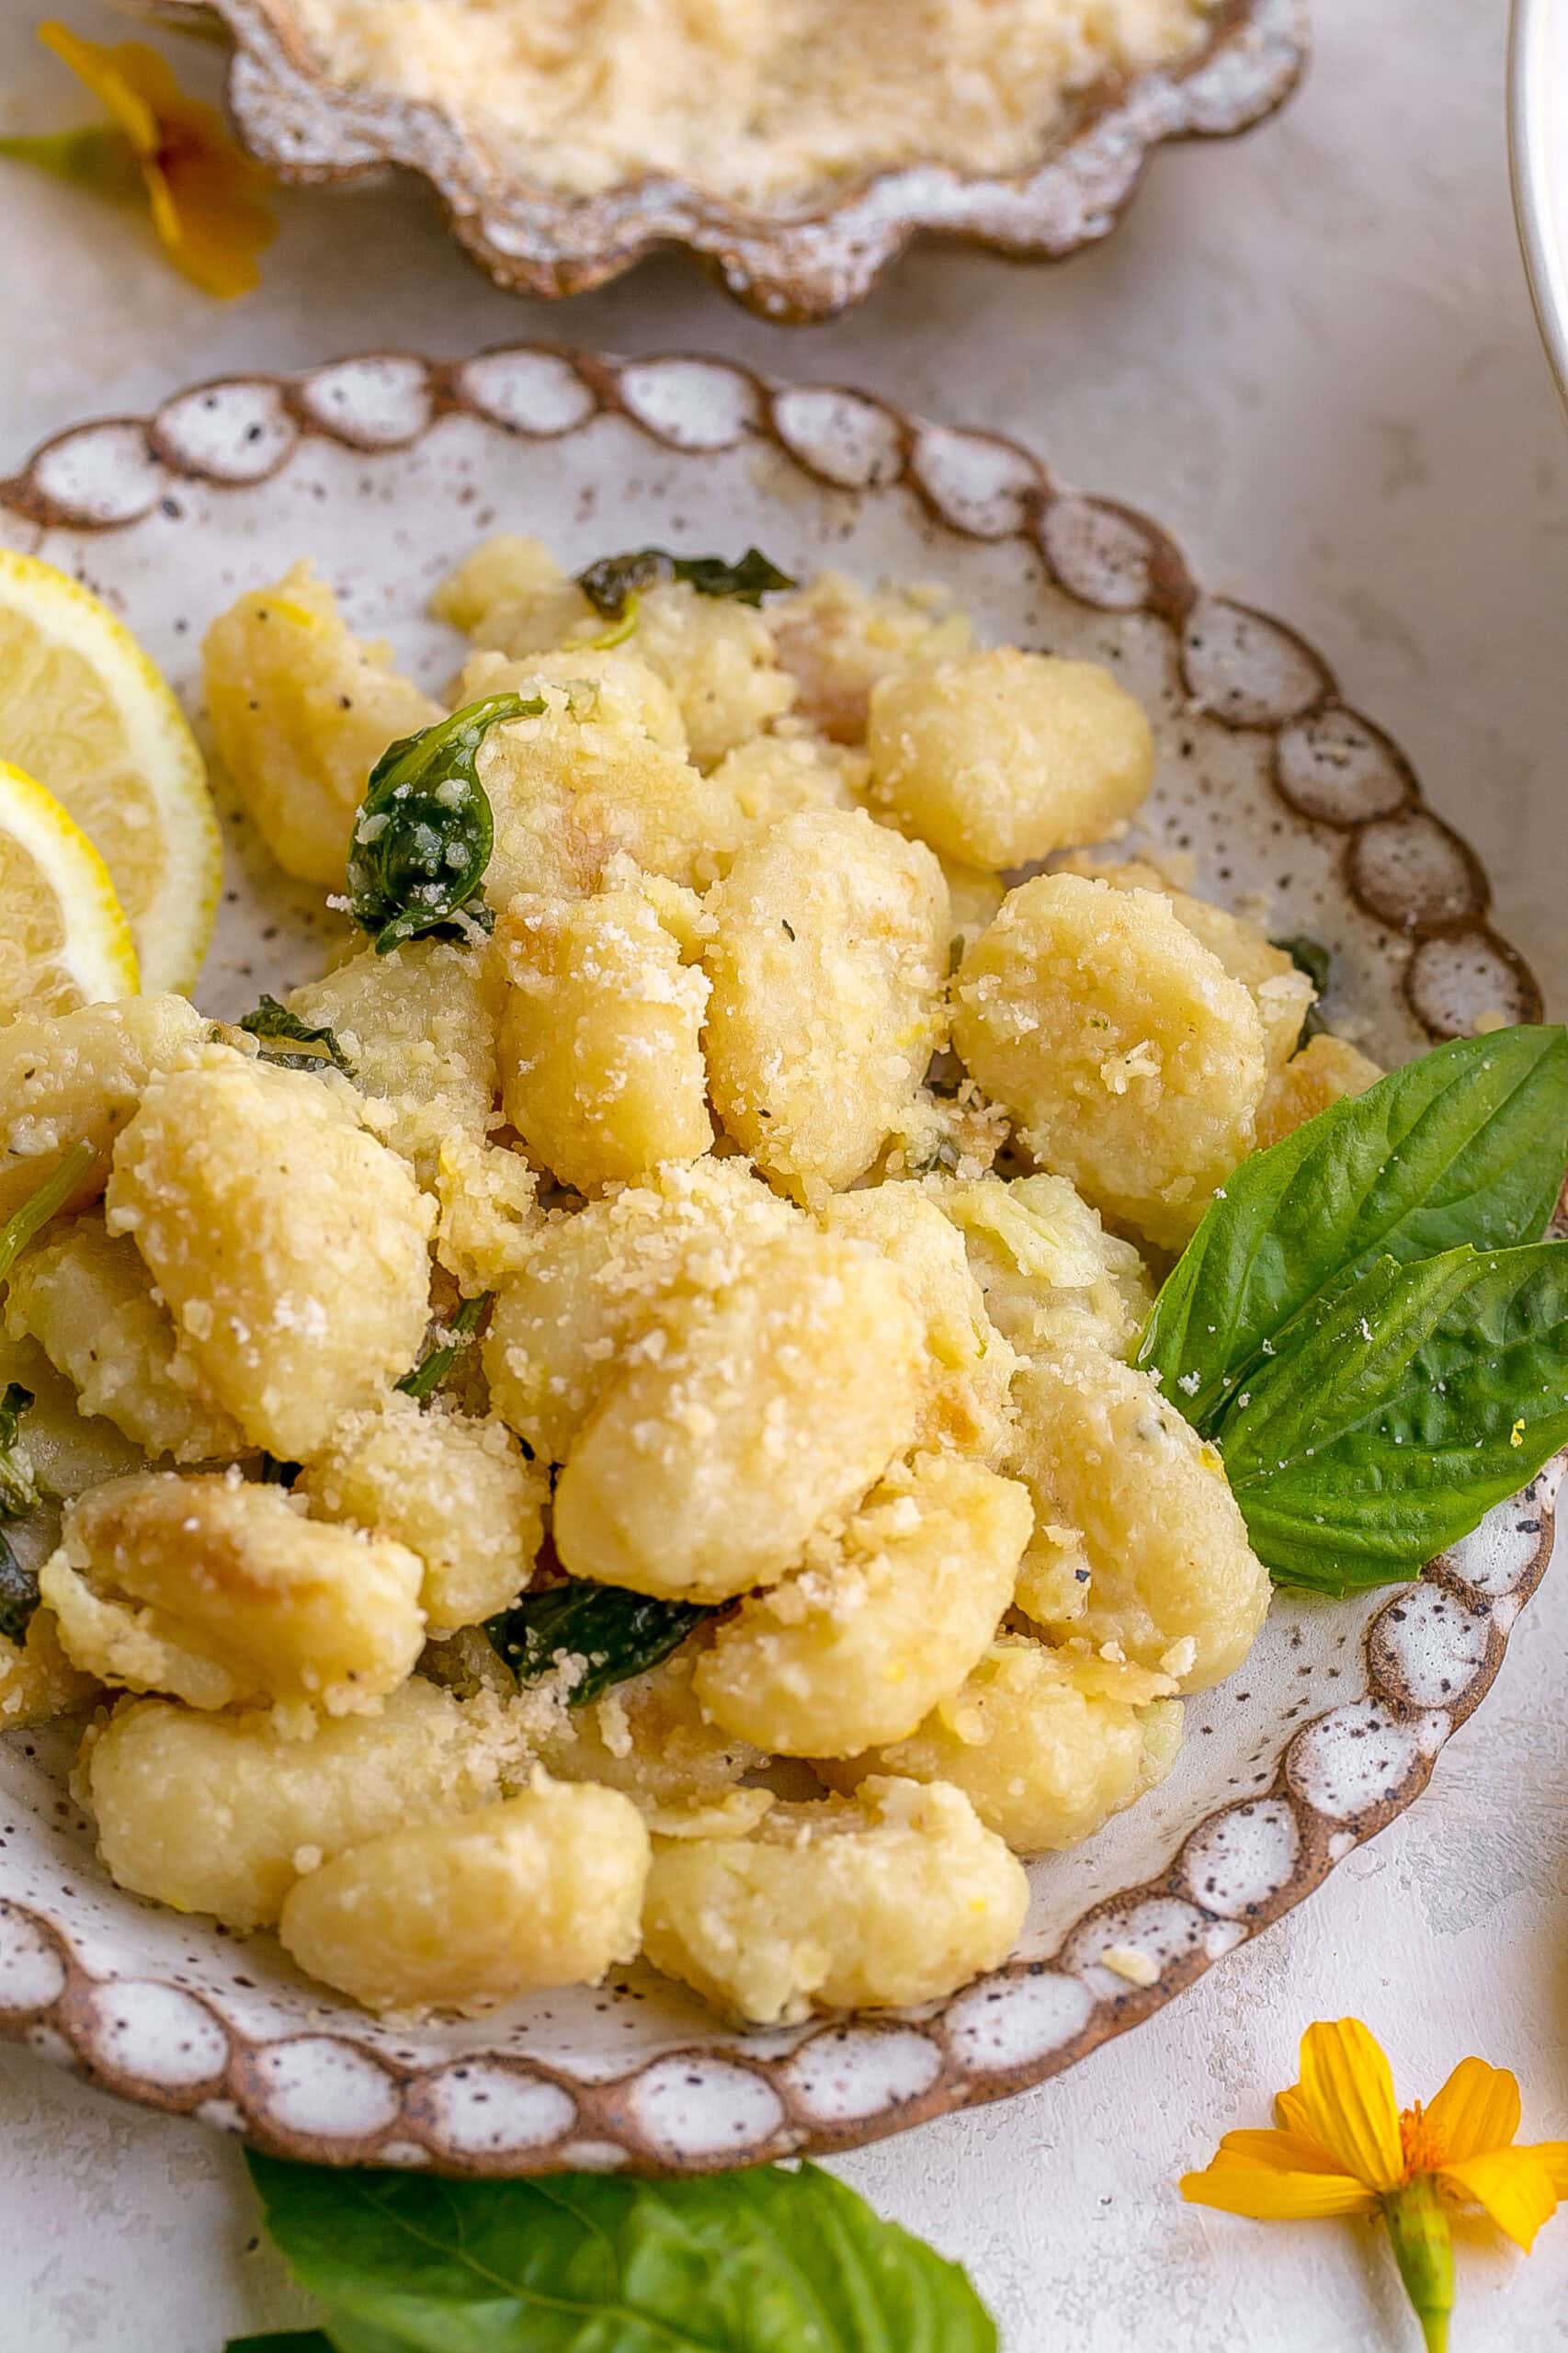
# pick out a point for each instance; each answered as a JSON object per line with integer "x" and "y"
{"x": 1397, "y": 1413}
{"x": 765, "y": 2261}
{"x": 611, "y": 583}
{"x": 1466, "y": 1144}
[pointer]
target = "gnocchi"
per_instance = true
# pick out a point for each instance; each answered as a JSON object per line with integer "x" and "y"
{"x": 890, "y": 1897}
{"x": 222, "y": 1594}
{"x": 634, "y": 1450}
{"x": 291, "y": 1247}
{"x": 541, "y": 1889}
{"x": 1132, "y": 1061}
{"x": 1001, "y": 757}
{"x": 827, "y": 961}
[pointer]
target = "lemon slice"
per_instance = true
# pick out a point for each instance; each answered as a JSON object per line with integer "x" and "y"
{"x": 83, "y": 710}
{"x": 65, "y": 939}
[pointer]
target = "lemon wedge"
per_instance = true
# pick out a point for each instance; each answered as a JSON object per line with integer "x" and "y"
{"x": 65, "y": 939}
{"x": 83, "y": 710}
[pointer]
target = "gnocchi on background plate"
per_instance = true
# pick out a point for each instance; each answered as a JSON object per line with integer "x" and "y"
{"x": 605, "y": 1425}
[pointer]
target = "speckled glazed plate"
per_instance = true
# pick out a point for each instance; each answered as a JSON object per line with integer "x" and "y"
{"x": 385, "y": 469}
{"x": 534, "y": 240}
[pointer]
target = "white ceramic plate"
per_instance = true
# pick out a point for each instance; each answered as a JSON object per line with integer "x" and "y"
{"x": 387, "y": 468}
{"x": 1537, "y": 154}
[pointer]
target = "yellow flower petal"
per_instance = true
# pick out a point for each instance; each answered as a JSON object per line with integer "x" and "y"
{"x": 1282, "y": 2152}
{"x": 1269, "y": 2197}
{"x": 1513, "y": 2184}
{"x": 1553, "y": 2155}
{"x": 1477, "y": 2110}
{"x": 1291, "y": 2112}
{"x": 115, "y": 72}
{"x": 1347, "y": 2093}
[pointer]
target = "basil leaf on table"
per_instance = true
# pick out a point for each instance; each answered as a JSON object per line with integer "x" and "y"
{"x": 619, "y": 1634}
{"x": 608, "y": 584}
{"x": 1399, "y": 1412}
{"x": 765, "y": 2261}
{"x": 426, "y": 829}
{"x": 1466, "y": 1144}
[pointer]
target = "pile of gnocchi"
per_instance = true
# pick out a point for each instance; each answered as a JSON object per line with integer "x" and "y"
{"x": 604, "y": 1425}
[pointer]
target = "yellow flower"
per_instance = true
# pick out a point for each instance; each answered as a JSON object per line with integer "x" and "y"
{"x": 1344, "y": 2147}
{"x": 206, "y": 196}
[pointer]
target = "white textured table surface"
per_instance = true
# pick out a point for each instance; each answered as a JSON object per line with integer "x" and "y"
{"x": 1312, "y": 354}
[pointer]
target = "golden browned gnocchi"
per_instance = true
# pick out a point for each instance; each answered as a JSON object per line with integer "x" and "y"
{"x": 38, "y": 1682}
{"x": 1000, "y": 757}
{"x": 1174, "y": 1583}
{"x": 968, "y": 1366}
{"x": 639, "y": 1382}
{"x": 76, "y": 1078}
{"x": 1046, "y": 1745}
{"x": 300, "y": 710}
{"x": 1132, "y": 1061}
{"x": 827, "y": 961}
{"x": 593, "y": 1283}
{"x": 599, "y": 773}
{"x": 1282, "y": 993}
{"x": 769, "y": 1405}
{"x": 85, "y": 1296}
{"x": 838, "y": 639}
{"x": 291, "y": 1246}
{"x": 224, "y": 1594}
{"x": 540, "y": 1888}
{"x": 601, "y": 1039}
{"x": 893, "y": 1897}
{"x": 879, "y": 1623}
{"x": 1326, "y": 1070}
{"x": 649, "y": 1738}
{"x": 456, "y": 1489}
{"x": 418, "y": 1027}
{"x": 223, "y": 1813}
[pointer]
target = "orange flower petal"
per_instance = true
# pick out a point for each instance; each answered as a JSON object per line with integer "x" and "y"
{"x": 1283, "y": 2152}
{"x": 210, "y": 222}
{"x": 1477, "y": 2110}
{"x": 1347, "y": 2094}
{"x": 1513, "y": 2184}
{"x": 1270, "y": 2197}
{"x": 116, "y": 74}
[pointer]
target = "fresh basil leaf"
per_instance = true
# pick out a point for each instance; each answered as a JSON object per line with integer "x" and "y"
{"x": 1399, "y": 1412}
{"x": 1309, "y": 955}
{"x": 283, "y": 2340}
{"x": 436, "y": 1363}
{"x": 18, "y": 1488}
{"x": 271, "y": 1019}
{"x": 18, "y": 1593}
{"x": 765, "y": 2261}
{"x": 1466, "y": 1144}
{"x": 426, "y": 829}
{"x": 608, "y": 584}
{"x": 52, "y": 1195}
{"x": 619, "y": 1634}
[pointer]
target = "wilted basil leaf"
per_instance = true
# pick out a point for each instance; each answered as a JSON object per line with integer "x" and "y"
{"x": 436, "y": 1362}
{"x": 619, "y": 1634}
{"x": 426, "y": 829}
{"x": 607, "y": 583}
{"x": 271, "y": 1019}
